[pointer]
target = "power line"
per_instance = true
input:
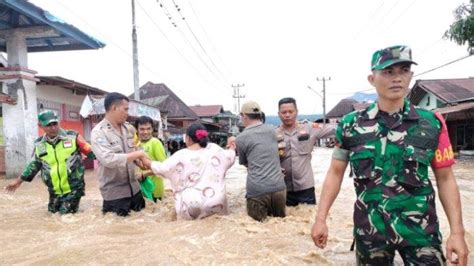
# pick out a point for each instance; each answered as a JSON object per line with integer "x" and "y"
{"x": 175, "y": 25}
{"x": 207, "y": 36}
{"x": 174, "y": 46}
{"x": 397, "y": 18}
{"x": 178, "y": 9}
{"x": 371, "y": 16}
{"x": 447, "y": 64}
{"x": 380, "y": 21}
{"x": 117, "y": 46}
{"x": 352, "y": 92}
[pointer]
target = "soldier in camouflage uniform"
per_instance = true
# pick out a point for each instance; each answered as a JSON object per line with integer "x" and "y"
{"x": 58, "y": 155}
{"x": 390, "y": 146}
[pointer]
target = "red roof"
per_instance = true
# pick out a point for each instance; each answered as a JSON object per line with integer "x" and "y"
{"x": 207, "y": 110}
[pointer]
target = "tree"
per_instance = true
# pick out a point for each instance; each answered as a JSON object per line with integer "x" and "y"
{"x": 462, "y": 30}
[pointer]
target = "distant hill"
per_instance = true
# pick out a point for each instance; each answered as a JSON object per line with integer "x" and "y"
{"x": 364, "y": 97}
{"x": 275, "y": 120}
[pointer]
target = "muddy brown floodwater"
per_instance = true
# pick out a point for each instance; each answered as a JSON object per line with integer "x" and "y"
{"x": 31, "y": 235}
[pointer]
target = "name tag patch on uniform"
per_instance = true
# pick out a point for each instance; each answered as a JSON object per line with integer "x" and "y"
{"x": 67, "y": 144}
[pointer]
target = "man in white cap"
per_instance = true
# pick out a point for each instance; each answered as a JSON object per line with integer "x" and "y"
{"x": 258, "y": 151}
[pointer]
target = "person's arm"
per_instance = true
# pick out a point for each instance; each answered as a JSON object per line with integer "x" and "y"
{"x": 448, "y": 192}
{"x": 331, "y": 188}
{"x": 240, "y": 150}
{"x": 325, "y": 132}
{"x": 28, "y": 174}
{"x": 165, "y": 168}
{"x": 228, "y": 154}
{"x": 107, "y": 156}
{"x": 84, "y": 147}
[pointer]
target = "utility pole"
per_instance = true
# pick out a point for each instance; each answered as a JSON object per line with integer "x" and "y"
{"x": 323, "y": 79}
{"x": 237, "y": 95}
{"x": 136, "y": 82}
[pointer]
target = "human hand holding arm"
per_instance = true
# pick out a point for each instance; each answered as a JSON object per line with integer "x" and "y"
{"x": 136, "y": 155}
{"x": 448, "y": 192}
{"x": 146, "y": 162}
{"x": 331, "y": 188}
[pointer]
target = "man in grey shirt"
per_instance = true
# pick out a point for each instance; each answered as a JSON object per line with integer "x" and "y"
{"x": 258, "y": 151}
{"x": 113, "y": 144}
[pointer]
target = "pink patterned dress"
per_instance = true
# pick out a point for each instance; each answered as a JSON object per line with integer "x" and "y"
{"x": 197, "y": 180}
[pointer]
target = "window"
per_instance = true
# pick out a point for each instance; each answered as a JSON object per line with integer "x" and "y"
{"x": 428, "y": 101}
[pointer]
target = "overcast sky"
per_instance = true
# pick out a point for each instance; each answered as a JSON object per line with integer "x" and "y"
{"x": 276, "y": 48}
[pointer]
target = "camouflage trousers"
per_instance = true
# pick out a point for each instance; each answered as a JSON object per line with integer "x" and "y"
{"x": 68, "y": 203}
{"x": 371, "y": 254}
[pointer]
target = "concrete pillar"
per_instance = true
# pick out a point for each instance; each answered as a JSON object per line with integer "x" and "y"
{"x": 17, "y": 50}
{"x": 20, "y": 122}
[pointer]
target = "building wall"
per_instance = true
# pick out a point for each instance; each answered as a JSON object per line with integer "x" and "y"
{"x": 59, "y": 94}
{"x": 66, "y": 104}
{"x": 63, "y": 102}
{"x": 428, "y": 102}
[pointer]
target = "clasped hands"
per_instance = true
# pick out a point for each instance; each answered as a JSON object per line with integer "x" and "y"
{"x": 142, "y": 160}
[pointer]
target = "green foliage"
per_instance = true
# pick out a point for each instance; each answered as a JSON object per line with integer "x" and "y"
{"x": 462, "y": 30}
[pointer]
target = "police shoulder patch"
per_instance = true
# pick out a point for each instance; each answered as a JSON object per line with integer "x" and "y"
{"x": 101, "y": 141}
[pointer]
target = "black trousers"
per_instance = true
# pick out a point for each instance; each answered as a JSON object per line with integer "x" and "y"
{"x": 123, "y": 206}
{"x": 306, "y": 196}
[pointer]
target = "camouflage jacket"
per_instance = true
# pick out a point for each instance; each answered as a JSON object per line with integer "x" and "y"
{"x": 61, "y": 165}
{"x": 390, "y": 156}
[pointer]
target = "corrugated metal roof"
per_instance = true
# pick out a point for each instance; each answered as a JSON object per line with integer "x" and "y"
{"x": 79, "y": 88}
{"x": 447, "y": 90}
{"x": 55, "y": 34}
{"x": 455, "y": 108}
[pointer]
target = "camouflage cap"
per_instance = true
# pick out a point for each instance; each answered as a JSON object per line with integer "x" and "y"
{"x": 251, "y": 107}
{"x": 386, "y": 57}
{"x": 47, "y": 117}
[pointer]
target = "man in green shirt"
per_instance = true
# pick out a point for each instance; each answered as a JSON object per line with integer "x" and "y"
{"x": 154, "y": 149}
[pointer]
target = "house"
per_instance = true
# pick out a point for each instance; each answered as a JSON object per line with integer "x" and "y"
{"x": 454, "y": 99}
{"x": 218, "y": 122}
{"x": 64, "y": 97}
{"x": 344, "y": 107}
{"x": 207, "y": 112}
{"x": 175, "y": 113}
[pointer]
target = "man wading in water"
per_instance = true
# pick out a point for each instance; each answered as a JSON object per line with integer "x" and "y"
{"x": 390, "y": 146}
